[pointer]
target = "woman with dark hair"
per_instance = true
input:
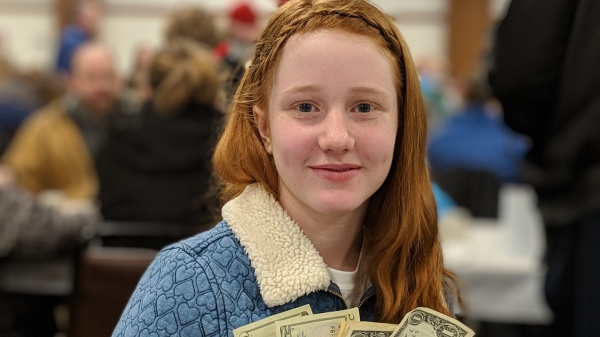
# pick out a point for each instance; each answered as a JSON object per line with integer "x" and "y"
{"x": 328, "y": 196}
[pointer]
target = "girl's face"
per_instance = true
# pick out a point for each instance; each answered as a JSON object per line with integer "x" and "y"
{"x": 332, "y": 122}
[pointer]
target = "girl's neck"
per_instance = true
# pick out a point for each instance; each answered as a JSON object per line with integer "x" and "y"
{"x": 338, "y": 238}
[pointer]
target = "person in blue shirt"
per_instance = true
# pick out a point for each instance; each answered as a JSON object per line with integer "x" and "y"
{"x": 83, "y": 28}
{"x": 476, "y": 139}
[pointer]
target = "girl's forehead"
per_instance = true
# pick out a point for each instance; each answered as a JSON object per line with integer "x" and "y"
{"x": 322, "y": 52}
{"x": 320, "y": 34}
{"x": 317, "y": 40}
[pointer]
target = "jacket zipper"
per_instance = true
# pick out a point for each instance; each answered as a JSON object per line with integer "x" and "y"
{"x": 338, "y": 295}
{"x": 365, "y": 299}
{"x": 344, "y": 301}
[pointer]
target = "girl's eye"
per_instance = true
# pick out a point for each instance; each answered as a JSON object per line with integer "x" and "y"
{"x": 305, "y": 107}
{"x": 364, "y": 107}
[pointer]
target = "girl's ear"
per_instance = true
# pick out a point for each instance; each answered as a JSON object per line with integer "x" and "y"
{"x": 263, "y": 127}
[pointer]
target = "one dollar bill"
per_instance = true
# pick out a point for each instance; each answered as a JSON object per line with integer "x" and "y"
{"x": 319, "y": 325}
{"x": 424, "y": 322}
{"x": 266, "y": 326}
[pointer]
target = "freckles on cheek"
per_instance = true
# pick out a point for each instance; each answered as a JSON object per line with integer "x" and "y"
{"x": 291, "y": 146}
{"x": 379, "y": 150}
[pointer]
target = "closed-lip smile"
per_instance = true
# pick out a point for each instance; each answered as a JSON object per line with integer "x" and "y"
{"x": 336, "y": 167}
{"x": 336, "y": 172}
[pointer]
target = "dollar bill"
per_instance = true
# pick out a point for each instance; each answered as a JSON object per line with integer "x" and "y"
{"x": 266, "y": 326}
{"x": 424, "y": 322}
{"x": 369, "y": 329}
{"x": 319, "y": 325}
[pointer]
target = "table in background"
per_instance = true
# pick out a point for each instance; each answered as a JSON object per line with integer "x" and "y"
{"x": 499, "y": 262}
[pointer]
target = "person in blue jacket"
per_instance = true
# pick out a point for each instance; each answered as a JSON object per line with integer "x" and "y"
{"x": 83, "y": 28}
{"x": 476, "y": 139}
{"x": 328, "y": 198}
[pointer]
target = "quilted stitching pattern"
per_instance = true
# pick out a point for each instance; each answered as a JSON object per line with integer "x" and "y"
{"x": 205, "y": 286}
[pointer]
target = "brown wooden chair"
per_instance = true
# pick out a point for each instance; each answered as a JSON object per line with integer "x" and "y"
{"x": 106, "y": 278}
{"x": 109, "y": 271}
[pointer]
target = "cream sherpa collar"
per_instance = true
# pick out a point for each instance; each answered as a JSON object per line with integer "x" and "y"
{"x": 286, "y": 263}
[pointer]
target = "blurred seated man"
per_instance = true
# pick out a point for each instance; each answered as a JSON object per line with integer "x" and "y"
{"x": 55, "y": 148}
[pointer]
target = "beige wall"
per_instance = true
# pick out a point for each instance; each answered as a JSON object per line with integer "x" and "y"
{"x": 28, "y": 35}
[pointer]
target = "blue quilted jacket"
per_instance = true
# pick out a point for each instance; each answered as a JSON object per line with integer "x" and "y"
{"x": 255, "y": 263}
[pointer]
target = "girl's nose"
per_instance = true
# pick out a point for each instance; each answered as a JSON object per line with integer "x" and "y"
{"x": 336, "y": 136}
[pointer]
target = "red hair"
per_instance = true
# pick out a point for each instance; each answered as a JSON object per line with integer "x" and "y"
{"x": 402, "y": 257}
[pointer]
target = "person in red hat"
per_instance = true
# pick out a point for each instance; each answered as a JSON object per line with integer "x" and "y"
{"x": 243, "y": 30}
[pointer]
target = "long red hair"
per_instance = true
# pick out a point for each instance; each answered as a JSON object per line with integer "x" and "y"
{"x": 402, "y": 255}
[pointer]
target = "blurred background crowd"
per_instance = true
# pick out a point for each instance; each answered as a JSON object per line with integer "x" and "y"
{"x": 110, "y": 109}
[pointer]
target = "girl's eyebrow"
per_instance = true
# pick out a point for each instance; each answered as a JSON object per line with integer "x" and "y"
{"x": 371, "y": 91}
{"x": 302, "y": 89}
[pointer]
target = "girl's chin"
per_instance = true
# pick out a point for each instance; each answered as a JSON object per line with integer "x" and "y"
{"x": 337, "y": 207}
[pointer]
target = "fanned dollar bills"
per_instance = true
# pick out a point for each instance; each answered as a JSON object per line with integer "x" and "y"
{"x": 300, "y": 322}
